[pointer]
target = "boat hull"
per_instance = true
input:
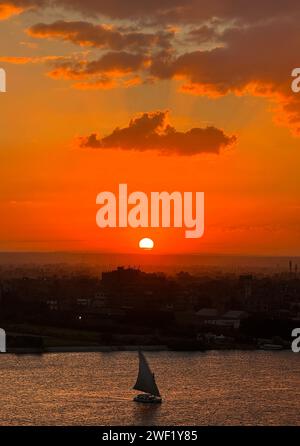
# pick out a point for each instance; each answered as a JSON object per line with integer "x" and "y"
{"x": 147, "y": 399}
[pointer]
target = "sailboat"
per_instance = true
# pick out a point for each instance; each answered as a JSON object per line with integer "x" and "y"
{"x": 146, "y": 383}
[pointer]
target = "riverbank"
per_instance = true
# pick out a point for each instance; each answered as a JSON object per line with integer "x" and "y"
{"x": 129, "y": 348}
{"x": 28, "y": 339}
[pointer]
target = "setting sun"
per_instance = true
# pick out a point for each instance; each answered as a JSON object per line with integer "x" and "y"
{"x": 146, "y": 243}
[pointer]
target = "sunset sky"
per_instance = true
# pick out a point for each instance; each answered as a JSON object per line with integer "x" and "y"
{"x": 200, "y": 93}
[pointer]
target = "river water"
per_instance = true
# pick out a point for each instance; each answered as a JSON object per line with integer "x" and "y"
{"x": 210, "y": 388}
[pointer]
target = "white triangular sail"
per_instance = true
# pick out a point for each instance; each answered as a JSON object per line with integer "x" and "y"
{"x": 145, "y": 380}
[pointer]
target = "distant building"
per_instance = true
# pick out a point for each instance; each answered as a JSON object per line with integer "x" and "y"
{"x": 52, "y": 304}
{"x": 207, "y": 313}
{"x": 231, "y": 319}
{"x": 121, "y": 276}
{"x": 100, "y": 300}
{"x": 245, "y": 282}
{"x": 186, "y": 318}
{"x": 235, "y": 314}
{"x": 83, "y": 302}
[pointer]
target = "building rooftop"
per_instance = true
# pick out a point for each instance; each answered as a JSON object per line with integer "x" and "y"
{"x": 207, "y": 312}
{"x": 234, "y": 314}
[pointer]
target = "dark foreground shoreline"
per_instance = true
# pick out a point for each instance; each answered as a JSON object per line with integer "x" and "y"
{"x": 128, "y": 348}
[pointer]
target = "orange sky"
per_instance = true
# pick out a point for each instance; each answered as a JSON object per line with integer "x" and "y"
{"x": 49, "y": 183}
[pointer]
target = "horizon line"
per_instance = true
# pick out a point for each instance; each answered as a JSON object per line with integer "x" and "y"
{"x": 149, "y": 254}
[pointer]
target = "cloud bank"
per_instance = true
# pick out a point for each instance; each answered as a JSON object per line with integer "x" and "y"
{"x": 211, "y": 48}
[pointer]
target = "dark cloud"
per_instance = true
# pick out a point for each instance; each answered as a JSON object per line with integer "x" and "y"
{"x": 112, "y": 70}
{"x": 100, "y": 36}
{"x": 115, "y": 63}
{"x": 151, "y": 131}
{"x": 184, "y": 11}
{"x": 172, "y": 11}
{"x": 255, "y": 60}
{"x": 203, "y": 34}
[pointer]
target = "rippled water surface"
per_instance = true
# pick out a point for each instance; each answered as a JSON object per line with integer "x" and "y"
{"x": 214, "y": 388}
